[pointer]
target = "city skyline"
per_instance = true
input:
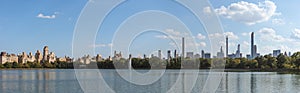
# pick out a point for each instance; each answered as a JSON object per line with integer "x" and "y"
{"x": 220, "y": 54}
{"x": 52, "y": 22}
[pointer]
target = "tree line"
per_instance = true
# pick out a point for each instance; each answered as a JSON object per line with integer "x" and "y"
{"x": 261, "y": 62}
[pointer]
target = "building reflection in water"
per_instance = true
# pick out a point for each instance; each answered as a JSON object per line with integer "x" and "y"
{"x": 38, "y": 81}
{"x": 64, "y": 81}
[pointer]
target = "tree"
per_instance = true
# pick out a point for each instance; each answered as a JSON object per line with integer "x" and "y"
{"x": 15, "y": 65}
{"x": 261, "y": 61}
{"x": 37, "y": 65}
{"x": 281, "y": 60}
{"x": 296, "y": 59}
{"x": 8, "y": 65}
{"x": 47, "y": 65}
{"x": 26, "y": 65}
{"x": 271, "y": 61}
{"x": 2, "y": 66}
{"x": 205, "y": 63}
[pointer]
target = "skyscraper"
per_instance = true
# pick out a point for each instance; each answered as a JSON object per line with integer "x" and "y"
{"x": 202, "y": 54}
{"x": 175, "y": 54}
{"x": 220, "y": 54}
{"x": 276, "y": 53}
{"x": 38, "y": 56}
{"x": 254, "y": 52}
{"x": 238, "y": 52}
{"x": 252, "y": 45}
{"x": 159, "y": 54}
{"x": 190, "y": 54}
{"x": 226, "y": 55}
{"x": 45, "y": 53}
{"x": 182, "y": 47}
{"x": 169, "y": 54}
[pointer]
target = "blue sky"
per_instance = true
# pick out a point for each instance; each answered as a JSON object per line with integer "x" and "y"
{"x": 29, "y": 25}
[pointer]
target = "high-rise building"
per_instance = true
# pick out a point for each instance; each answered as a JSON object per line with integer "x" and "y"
{"x": 130, "y": 56}
{"x": 175, "y": 54}
{"x": 117, "y": 55}
{"x": 254, "y": 52}
{"x": 221, "y": 53}
{"x": 23, "y": 58}
{"x": 248, "y": 56}
{"x": 51, "y": 57}
{"x": 183, "y": 47}
{"x": 196, "y": 56}
{"x": 252, "y": 45}
{"x": 45, "y": 53}
{"x": 207, "y": 55}
{"x": 190, "y": 54}
{"x": 226, "y": 46}
{"x": 38, "y": 56}
{"x": 169, "y": 54}
{"x": 238, "y": 52}
{"x": 276, "y": 53}
{"x": 202, "y": 54}
{"x": 31, "y": 58}
{"x": 159, "y": 54}
{"x": 98, "y": 58}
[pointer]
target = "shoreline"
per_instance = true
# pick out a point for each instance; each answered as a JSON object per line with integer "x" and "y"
{"x": 225, "y": 70}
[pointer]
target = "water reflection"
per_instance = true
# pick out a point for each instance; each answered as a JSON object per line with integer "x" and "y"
{"x": 64, "y": 81}
{"x": 259, "y": 82}
{"x": 38, "y": 81}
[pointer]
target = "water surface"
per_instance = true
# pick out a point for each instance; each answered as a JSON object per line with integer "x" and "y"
{"x": 64, "y": 81}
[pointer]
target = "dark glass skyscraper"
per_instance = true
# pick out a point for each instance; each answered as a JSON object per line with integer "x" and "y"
{"x": 252, "y": 46}
{"x": 226, "y": 55}
{"x": 182, "y": 47}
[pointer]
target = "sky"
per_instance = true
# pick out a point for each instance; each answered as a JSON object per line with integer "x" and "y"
{"x": 27, "y": 26}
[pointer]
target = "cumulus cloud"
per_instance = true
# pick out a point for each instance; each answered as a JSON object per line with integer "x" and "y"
{"x": 162, "y": 36}
{"x": 177, "y": 36}
{"x": 277, "y": 21}
{"x": 101, "y": 45}
{"x": 40, "y": 15}
{"x": 201, "y": 44}
{"x": 207, "y": 10}
{"x": 214, "y": 35}
{"x": 246, "y": 34}
{"x": 189, "y": 44}
{"x": 200, "y": 36}
{"x": 172, "y": 34}
{"x": 269, "y": 34}
{"x": 248, "y": 13}
{"x": 296, "y": 33}
{"x": 230, "y": 35}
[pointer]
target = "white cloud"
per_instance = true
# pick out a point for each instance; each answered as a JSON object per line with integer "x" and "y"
{"x": 248, "y": 13}
{"x": 269, "y": 34}
{"x": 214, "y": 35}
{"x": 201, "y": 44}
{"x": 296, "y": 33}
{"x": 207, "y": 10}
{"x": 162, "y": 36}
{"x": 200, "y": 36}
{"x": 189, "y": 44}
{"x": 230, "y": 35}
{"x": 246, "y": 34}
{"x": 173, "y": 32}
{"x": 40, "y": 15}
{"x": 278, "y": 21}
{"x": 110, "y": 45}
{"x": 101, "y": 45}
{"x": 246, "y": 43}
